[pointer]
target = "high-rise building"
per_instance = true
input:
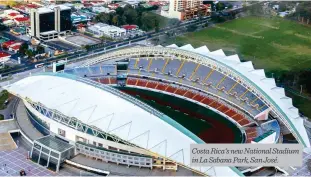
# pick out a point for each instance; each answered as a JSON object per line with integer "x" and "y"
{"x": 187, "y": 9}
{"x": 50, "y": 22}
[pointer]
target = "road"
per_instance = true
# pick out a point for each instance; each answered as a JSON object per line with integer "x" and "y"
{"x": 102, "y": 49}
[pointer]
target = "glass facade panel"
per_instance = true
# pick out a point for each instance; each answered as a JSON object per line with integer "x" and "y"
{"x": 65, "y": 20}
{"x": 47, "y": 22}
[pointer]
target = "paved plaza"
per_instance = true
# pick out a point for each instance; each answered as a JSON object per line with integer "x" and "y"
{"x": 11, "y": 162}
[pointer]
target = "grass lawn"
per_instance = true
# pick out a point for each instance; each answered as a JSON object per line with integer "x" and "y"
{"x": 275, "y": 44}
{"x": 4, "y": 95}
{"x": 303, "y": 104}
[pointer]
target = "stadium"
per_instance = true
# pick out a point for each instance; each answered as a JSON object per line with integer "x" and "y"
{"x": 144, "y": 106}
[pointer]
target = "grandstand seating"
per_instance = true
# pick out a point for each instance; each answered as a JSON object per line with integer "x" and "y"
{"x": 199, "y": 76}
{"x": 272, "y": 125}
{"x": 106, "y": 80}
{"x": 171, "y": 66}
{"x": 91, "y": 71}
{"x": 157, "y": 64}
{"x": 143, "y": 63}
{"x": 252, "y": 133}
{"x": 201, "y": 73}
{"x": 151, "y": 84}
{"x": 227, "y": 84}
{"x": 187, "y": 69}
{"x": 113, "y": 80}
{"x": 132, "y": 63}
{"x": 191, "y": 94}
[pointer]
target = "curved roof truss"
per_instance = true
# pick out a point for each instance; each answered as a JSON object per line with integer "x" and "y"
{"x": 253, "y": 79}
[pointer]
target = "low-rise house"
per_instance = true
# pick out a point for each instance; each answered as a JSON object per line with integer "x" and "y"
{"x": 22, "y": 21}
{"x": 101, "y": 9}
{"x": 10, "y": 44}
{"x": 4, "y": 57}
{"x": 77, "y": 18}
{"x": 101, "y": 29}
{"x": 130, "y": 28}
{"x": 14, "y": 15}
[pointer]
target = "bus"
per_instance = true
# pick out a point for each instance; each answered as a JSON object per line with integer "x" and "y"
{"x": 39, "y": 65}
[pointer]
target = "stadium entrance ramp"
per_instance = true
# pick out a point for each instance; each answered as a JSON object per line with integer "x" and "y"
{"x": 51, "y": 151}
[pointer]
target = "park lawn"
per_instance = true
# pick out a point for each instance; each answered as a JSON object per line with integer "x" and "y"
{"x": 303, "y": 104}
{"x": 274, "y": 44}
{"x": 4, "y": 95}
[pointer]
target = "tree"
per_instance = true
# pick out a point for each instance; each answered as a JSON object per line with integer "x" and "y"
{"x": 131, "y": 16}
{"x": 147, "y": 21}
{"x": 156, "y": 25}
{"x": 103, "y": 17}
{"x": 220, "y": 6}
{"x": 3, "y": 27}
{"x": 40, "y": 49}
{"x": 191, "y": 28}
{"x": 304, "y": 9}
{"x": 173, "y": 22}
{"x": 87, "y": 47}
{"x": 29, "y": 53}
{"x": 23, "y": 48}
{"x": 119, "y": 11}
{"x": 115, "y": 20}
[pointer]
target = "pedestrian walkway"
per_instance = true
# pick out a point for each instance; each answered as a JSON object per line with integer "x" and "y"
{"x": 24, "y": 123}
{"x": 11, "y": 162}
{"x": 6, "y": 142}
{"x": 7, "y": 125}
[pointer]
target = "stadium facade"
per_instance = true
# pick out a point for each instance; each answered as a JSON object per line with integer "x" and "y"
{"x": 81, "y": 106}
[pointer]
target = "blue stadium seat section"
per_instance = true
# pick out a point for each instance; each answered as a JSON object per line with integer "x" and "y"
{"x": 102, "y": 70}
{"x": 272, "y": 125}
{"x": 201, "y": 73}
{"x": 143, "y": 63}
{"x": 214, "y": 78}
{"x": 157, "y": 64}
{"x": 226, "y": 84}
{"x": 172, "y": 66}
{"x": 187, "y": 69}
{"x": 132, "y": 63}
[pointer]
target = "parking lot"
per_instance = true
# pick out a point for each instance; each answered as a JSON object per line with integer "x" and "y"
{"x": 60, "y": 45}
{"x": 82, "y": 40}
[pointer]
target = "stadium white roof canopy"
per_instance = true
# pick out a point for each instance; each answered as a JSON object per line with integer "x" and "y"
{"x": 111, "y": 113}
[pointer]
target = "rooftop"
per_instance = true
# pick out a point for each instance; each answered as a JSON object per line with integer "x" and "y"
{"x": 8, "y": 43}
{"x": 16, "y": 47}
{"x": 129, "y": 27}
{"x": 21, "y": 19}
{"x": 98, "y": 105}
{"x": 4, "y": 54}
{"x": 54, "y": 143}
{"x": 13, "y": 14}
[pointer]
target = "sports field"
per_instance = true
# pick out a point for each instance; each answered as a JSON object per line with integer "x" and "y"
{"x": 274, "y": 44}
{"x": 206, "y": 124}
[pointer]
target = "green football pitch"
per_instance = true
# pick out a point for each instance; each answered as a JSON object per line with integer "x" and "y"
{"x": 274, "y": 44}
{"x": 206, "y": 124}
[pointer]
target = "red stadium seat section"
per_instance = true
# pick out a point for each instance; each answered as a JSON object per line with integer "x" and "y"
{"x": 191, "y": 94}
